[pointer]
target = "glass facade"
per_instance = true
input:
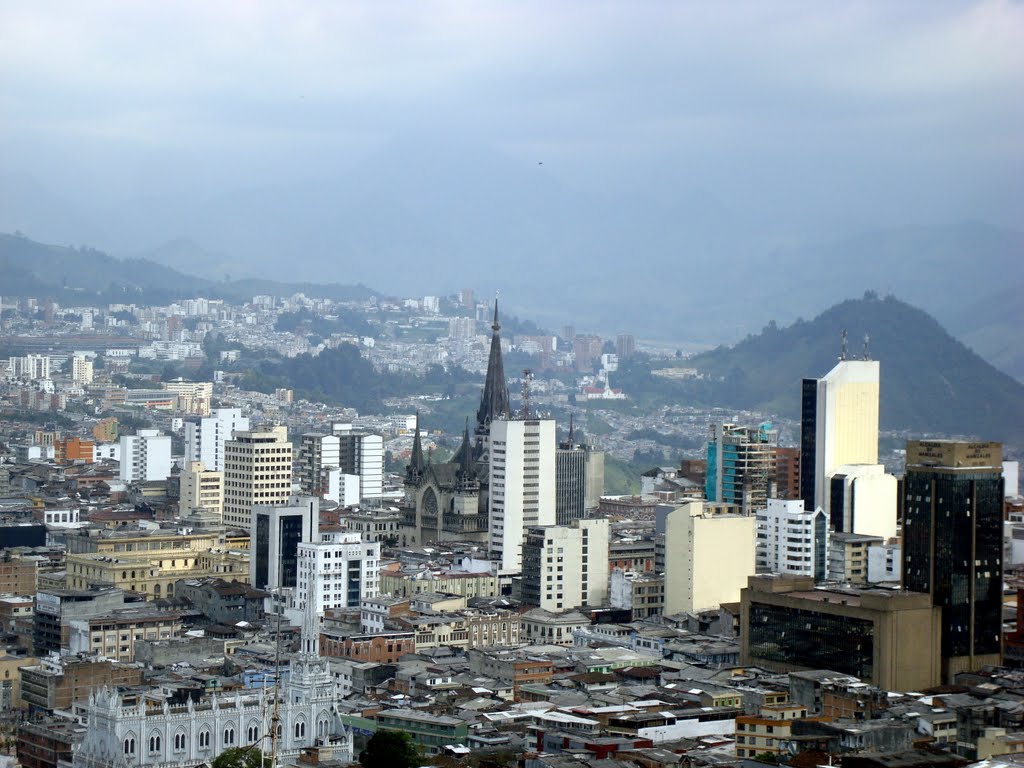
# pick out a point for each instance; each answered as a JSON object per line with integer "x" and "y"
{"x": 262, "y": 559}
{"x": 808, "y": 440}
{"x": 952, "y": 548}
{"x": 290, "y": 536}
{"x": 812, "y": 640}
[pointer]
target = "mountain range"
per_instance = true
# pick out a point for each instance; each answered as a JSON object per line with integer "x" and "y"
{"x": 428, "y": 218}
{"x": 930, "y": 382}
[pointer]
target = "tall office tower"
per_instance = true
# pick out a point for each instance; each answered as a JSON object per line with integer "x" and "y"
{"x": 953, "y": 545}
{"x": 839, "y": 426}
{"x": 206, "y": 437}
{"x": 201, "y": 488}
{"x": 579, "y": 480}
{"x": 362, "y": 454}
{"x": 81, "y": 369}
{"x": 566, "y": 566}
{"x": 522, "y": 485}
{"x": 338, "y": 571}
{"x": 709, "y": 555}
{"x": 257, "y": 470}
{"x": 741, "y": 465}
{"x": 791, "y": 540}
{"x": 275, "y": 533}
{"x": 317, "y": 453}
{"x": 145, "y": 456}
{"x": 625, "y": 346}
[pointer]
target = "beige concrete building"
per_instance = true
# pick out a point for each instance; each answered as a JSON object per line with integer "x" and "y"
{"x": 468, "y": 585}
{"x": 566, "y": 566}
{"x": 257, "y": 471}
{"x": 10, "y": 682}
{"x": 888, "y": 638}
{"x": 848, "y": 557}
{"x": 193, "y": 396}
{"x": 201, "y": 488}
{"x": 18, "y": 574}
{"x": 114, "y": 636}
{"x": 710, "y": 551}
{"x": 154, "y": 574}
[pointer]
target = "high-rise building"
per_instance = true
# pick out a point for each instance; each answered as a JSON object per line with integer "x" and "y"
{"x": 362, "y": 454}
{"x": 193, "y": 396}
{"x": 566, "y": 566}
{"x": 709, "y": 555}
{"x": 338, "y": 571}
{"x": 30, "y": 367}
{"x": 787, "y": 473}
{"x": 81, "y": 369}
{"x": 839, "y": 426}
{"x": 625, "y": 346}
{"x": 579, "y": 480}
{"x": 206, "y": 437}
{"x": 145, "y": 456}
{"x": 201, "y": 488}
{"x": 317, "y": 453}
{"x": 862, "y": 499}
{"x": 792, "y": 540}
{"x": 257, "y": 470}
{"x": 274, "y": 538}
{"x": 953, "y": 545}
{"x": 741, "y": 465}
{"x": 522, "y": 485}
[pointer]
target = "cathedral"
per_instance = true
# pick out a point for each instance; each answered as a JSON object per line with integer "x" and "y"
{"x": 448, "y": 501}
{"x": 145, "y": 730}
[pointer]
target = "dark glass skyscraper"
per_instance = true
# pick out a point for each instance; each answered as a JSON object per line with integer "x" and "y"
{"x": 953, "y": 545}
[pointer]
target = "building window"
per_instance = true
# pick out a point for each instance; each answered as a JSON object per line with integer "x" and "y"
{"x": 229, "y": 735}
{"x": 154, "y": 743}
{"x": 300, "y": 730}
{"x": 179, "y": 741}
{"x": 129, "y": 746}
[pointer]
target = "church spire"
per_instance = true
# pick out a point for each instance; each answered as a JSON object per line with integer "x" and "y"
{"x": 494, "y": 402}
{"x": 416, "y": 464}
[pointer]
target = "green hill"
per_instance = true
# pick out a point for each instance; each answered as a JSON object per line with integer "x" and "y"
{"x": 930, "y": 382}
{"x": 30, "y": 268}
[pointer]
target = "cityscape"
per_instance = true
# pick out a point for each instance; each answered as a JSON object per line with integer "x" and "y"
{"x": 491, "y": 386}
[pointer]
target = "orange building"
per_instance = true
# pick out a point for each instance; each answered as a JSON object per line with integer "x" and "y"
{"x": 105, "y": 430}
{"x": 74, "y": 449}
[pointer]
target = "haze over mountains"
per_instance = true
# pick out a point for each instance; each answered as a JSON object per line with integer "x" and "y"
{"x": 430, "y": 218}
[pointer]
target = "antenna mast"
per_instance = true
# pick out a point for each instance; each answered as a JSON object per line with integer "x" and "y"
{"x": 527, "y": 378}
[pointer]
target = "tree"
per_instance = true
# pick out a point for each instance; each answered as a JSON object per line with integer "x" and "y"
{"x": 239, "y": 757}
{"x": 388, "y": 749}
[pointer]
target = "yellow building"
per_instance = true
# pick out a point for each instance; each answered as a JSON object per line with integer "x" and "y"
{"x": 767, "y": 732}
{"x": 10, "y": 681}
{"x": 151, "y": 573}
{"x": 468, "y": 585}
{"x": 709, "y": 555}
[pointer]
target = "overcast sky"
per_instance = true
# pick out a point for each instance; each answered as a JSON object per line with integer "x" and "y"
{"x": 861, "y": 113}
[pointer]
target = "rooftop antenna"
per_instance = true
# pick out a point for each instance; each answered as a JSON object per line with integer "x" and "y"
{"x": 844, "y": 348}
{"x": 864, "y": 353}
{"x": 527, "y": 377}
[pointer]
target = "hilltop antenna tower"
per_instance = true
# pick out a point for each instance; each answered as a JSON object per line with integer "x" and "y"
{"x": 844, "y": 346}
{"x": 864, "y": 353}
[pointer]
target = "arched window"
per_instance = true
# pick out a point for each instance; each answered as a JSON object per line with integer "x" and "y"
{"x": 229, "y": 735}
{"x": 129, "y": 745}
{"x": 253, "y": 734}
{"x": 179, "y": 741}
{"x": 154, "y": 743}
{"x": 204, "y": 738}
{"x": 300, "y": 730}
{"x": 156, "y": 590}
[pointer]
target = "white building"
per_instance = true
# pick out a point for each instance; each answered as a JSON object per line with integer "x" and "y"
{"x": 840, "y": 426}
{"x": 868, "y": 497}
{"x": 885, "y": 563}
{"x": 791, "y": 540}
{"x": 257, "y": 470}
{"x": 522, "y": 485}
{"x": 201, "y": 488}
{"x": 340, "y": 488}
{"x": 150, "y": 732}
{"x": 29, "y": 367}
{"x": 81, "y": 369}
{"x": 354, "y": 453}
{"x": 566, "y": 566}
{"x": 339, "y": 571}
{"x": 709, "y": 555}
{"x": 145, "y": 456}
{"x": 206, "y": 437}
